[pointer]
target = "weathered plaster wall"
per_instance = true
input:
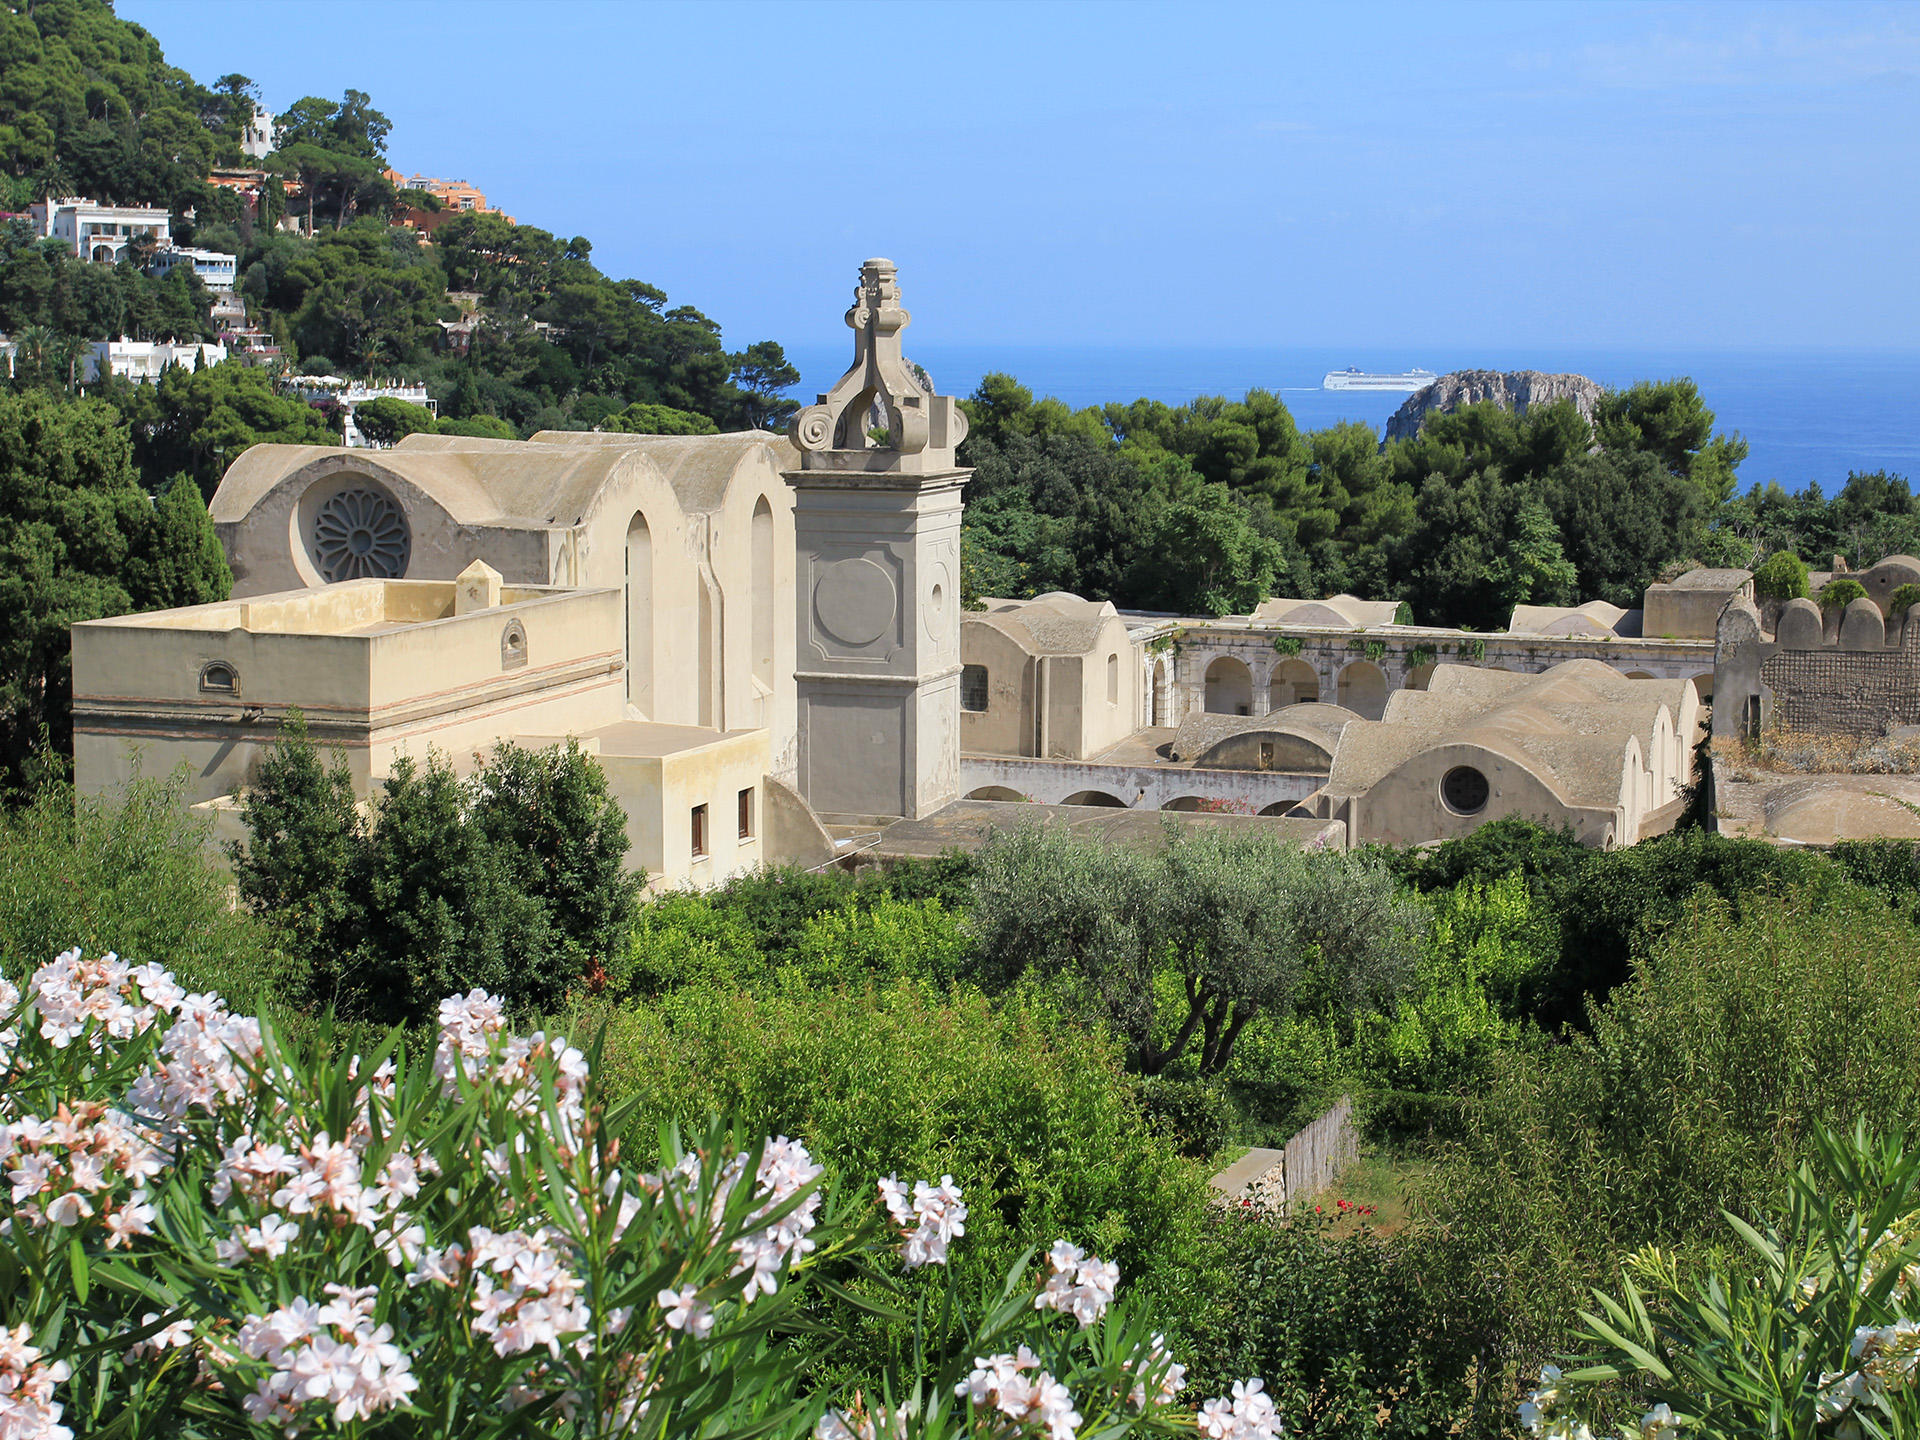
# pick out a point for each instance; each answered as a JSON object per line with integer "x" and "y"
{"x": 1844, "y": 692}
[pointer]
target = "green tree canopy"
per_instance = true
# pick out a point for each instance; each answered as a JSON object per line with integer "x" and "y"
{"x": 199, "y": 421}
{"x": 643, "y": 419}
{"x": 1247, "y": 926}
{"x": 387, "y": 421}
{"x": 79, "y": 539}
{"x": 511, "y": 879}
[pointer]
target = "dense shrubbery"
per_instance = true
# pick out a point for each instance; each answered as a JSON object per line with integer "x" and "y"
{"x": 130, "y": 875}
{"x": 1698, "y": 1090}
{"x": 1728, "y": 999}
{"x": 1783, "y": 576}
{"x": 1840, "y": 592}
{"x": 1810, "y": 1322}
{"x": 1035, "y": 1120}
{"x": 511, "y": 878}
{"x": 1362, "y": 1337}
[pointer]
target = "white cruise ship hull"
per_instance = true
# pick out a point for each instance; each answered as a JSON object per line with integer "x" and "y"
{"x": 1405, "y": 383}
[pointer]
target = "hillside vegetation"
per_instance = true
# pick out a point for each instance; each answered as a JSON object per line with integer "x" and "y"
{"x": 1206, "y": 508}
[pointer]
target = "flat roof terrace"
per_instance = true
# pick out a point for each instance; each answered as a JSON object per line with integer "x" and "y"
{"x": 355, "y": 607}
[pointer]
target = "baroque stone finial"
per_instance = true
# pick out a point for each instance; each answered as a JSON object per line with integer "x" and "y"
{"x": 923, "y": 430}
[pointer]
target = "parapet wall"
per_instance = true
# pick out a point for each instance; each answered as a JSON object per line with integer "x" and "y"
{"x": 1844, "y": 692}
{"x": 1845, "y": 672}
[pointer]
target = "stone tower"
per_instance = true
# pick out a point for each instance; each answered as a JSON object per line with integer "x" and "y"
{"x": 877, "y": 526}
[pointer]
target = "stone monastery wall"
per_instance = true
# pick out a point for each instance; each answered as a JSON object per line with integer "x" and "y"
{"x": 1844, "y": 692}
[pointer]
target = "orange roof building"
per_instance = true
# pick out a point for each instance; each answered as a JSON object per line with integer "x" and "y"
{"x": 456, "y": 197}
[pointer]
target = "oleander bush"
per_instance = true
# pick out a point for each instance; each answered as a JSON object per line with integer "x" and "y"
{"x": 213, "y": 1231}
{"x": 1807, "y": 1323}
{"x": 1033, "y": 1117}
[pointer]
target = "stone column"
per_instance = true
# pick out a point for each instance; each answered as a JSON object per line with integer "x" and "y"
{"x": 878, "y": 532}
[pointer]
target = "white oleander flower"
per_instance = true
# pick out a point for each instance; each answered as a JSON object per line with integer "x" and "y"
{"x": 1172, "y": 1379}
{"x": 28, "y": 1410}
{"x": 1080, "y": 1285}
{"x": 685, "y": 1312}
{"x": 931, "y": 1217}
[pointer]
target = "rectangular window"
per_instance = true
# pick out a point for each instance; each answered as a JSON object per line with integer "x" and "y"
{"x": 746, "y": 814}
{"x": 973, "y": 688}
{"x": 1266, "y": 755}
{"x": 699, "y": 831}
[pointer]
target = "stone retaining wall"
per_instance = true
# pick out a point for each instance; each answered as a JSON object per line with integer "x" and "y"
{"x": 1311, "y": 1162}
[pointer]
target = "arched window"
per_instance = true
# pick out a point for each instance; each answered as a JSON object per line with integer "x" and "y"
{"x": 1113, "y": 679}
{"x": 640, "y": 615}
{"x": 1229, "y": 687}
{"x": 1293, "y": 682}
{"x": 1362, "y": 688}
{"x": 513, "y": 646}
{"x": 361, "y": 533}
{"x": 220, "y": 678}
{"x": 762, "y": 580}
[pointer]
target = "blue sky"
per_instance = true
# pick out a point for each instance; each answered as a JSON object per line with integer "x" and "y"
{"x": 1669, "y": 175}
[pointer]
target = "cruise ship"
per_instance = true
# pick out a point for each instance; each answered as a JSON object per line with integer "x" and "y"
{"x": 1352, "y": 379}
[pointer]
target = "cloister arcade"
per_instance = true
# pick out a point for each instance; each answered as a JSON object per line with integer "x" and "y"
{"x": 1228, "y": 669}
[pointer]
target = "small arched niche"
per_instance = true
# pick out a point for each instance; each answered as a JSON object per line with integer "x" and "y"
{"x": 513, "y": 645}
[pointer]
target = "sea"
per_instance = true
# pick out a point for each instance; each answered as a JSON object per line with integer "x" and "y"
{"x": 1807, "y": 416}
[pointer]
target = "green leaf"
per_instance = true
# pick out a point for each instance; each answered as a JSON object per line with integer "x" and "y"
{"x": 77, "y": 1263}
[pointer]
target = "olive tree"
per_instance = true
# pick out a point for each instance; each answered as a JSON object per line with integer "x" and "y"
{"x": 1248, "y": 925}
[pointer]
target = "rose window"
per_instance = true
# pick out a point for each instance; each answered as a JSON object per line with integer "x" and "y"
{"x": 361, "y": 534}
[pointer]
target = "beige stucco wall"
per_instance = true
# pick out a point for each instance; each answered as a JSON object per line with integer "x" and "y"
{"x": 1006, "y": 726}
{"x": 1675, "y": 614}
{"x": 1405, "y": 808}
{"x": 1085, "y": 715}
{"x": 658, "y": 791}
{"x": 381, "y": 689}
{"x": 266, "y": 545}
{"x": 1107, "y": 712}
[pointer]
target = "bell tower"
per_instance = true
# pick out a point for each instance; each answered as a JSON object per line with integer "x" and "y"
{"x": 877, "y": 525}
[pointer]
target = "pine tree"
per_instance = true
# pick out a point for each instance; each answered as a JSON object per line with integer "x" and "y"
{"x": 182, "y": 562}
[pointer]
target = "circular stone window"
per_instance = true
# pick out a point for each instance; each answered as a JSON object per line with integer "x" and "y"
{"x": 1465, "y": 790}
{"x": 360, "y": 534}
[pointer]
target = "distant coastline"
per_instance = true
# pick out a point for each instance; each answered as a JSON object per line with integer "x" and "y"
{"x": 1806, "y": 415}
